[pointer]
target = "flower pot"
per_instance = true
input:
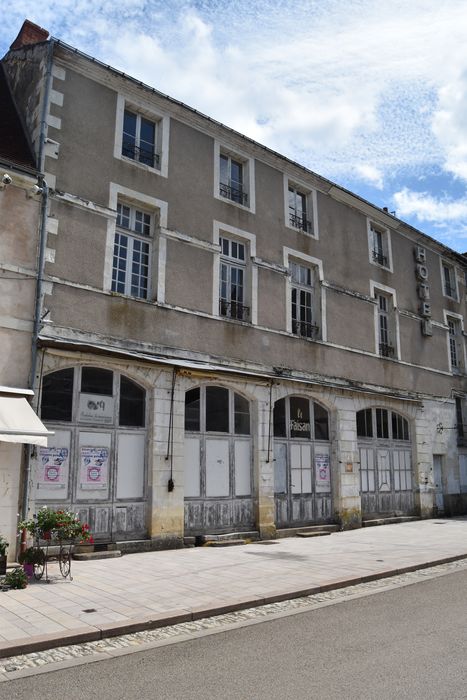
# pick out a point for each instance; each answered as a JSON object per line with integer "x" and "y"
{"x": 46, "y": 535}
{"x": 2, "y": 564}
{"x": 28, "y": 570}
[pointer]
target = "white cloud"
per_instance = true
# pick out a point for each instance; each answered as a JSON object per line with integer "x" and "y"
{"x": 425, "y": 207}
{"x": 370, "y": 174}
{"x": 357, "y": 90}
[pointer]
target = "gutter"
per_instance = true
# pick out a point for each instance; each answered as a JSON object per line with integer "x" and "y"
{"x": 40, "y": 264}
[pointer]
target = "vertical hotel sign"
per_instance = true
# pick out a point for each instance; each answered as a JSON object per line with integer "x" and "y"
{"x": 423, "y": 290}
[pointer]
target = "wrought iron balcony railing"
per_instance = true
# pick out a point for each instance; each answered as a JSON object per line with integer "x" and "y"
{"x": 304, "y": 329}
{"x": 235, "y": 194}
{"x": 386, "y": 350}
{"x": 232, "y": 309}
{"x": 141, "y": 154}
{"x": 379, "y": 258}
{"x": 300, "y": 222}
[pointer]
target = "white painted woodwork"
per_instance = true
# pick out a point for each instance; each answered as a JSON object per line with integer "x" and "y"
{"x": 192, "y": 466}
{"x": 217, "y": 467}
{"x": 130, "y": 466}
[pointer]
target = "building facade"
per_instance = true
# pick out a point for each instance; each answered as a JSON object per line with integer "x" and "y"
{"x": 233, "y": 343}
{"x": 20, "y": 215}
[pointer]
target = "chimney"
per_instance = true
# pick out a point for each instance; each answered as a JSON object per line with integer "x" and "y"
{"x": 29, "y": 33}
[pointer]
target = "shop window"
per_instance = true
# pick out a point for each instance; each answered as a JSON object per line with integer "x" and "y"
{"x": 214, "y": 409}
{"x": 294, "y": 416}
{"x": 132, "y": 404}
{"x": 375, "y": 421}
{"x": 97, "y": 381}
{"x": 57, "y": 396}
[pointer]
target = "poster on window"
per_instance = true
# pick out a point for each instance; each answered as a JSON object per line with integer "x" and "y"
{"x": 322, "y": 473}
{"x": 94, "y": 468}
{"x": 53, "y": 468}
{"x": 95, "y": 409}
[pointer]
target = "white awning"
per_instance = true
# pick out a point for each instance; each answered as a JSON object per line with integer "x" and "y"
{"x": 19, "y": 423}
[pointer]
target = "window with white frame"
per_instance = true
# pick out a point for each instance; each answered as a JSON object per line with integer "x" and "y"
{"x": 300, "y": 209}
{"x": 234, "y": 177}
{"x": 449, "y": 280}
{"x": 380, "y": 246}
{"x": 231, "y": 179}
{"x": 132, "y": 251}
{"x": 139, "y": 139}
{"x": 386, "y": 324}
{"x": 456, "y": 343}
{"x": 232, "y": 280}
{"x": 303, "y": 302}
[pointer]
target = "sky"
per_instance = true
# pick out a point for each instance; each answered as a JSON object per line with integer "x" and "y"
{"x": 371, "y": 94}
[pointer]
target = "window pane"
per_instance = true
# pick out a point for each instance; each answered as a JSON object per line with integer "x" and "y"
{"x": 97, "y": 381}
{"x": 242, "y": 415}
{"x": 321, "y": 422}
{"x": 279, "y": 419}
{"x": 57, "y": 395}
{"x": 132, "y": 404}
{"x": 217, "y": 409}
{"x": 224, "y": 170}
{"x": 400, "y": 427}
{"x": 382, "y": 428}
{"x": 129, "y": 135}
{"x": 364, "y": 424}
{"x": 299, "y": 418}
{"x": 192, "y": 410}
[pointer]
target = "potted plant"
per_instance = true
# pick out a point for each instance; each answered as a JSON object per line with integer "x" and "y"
{"x": 31, "y": 556}
{"x": 49, "y": 524}
{"x": 3, "y": 548}
{"x": 16, "y": 578}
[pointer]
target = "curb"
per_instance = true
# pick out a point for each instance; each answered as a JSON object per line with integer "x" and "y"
{"x": 96, "y": 633}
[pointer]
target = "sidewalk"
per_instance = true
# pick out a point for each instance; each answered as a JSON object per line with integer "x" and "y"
{"x": 139, "y": 591}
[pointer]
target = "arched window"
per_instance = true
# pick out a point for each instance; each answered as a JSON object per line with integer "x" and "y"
{"x": 215, "y": 409}
{"x": 382, "y": 424}
{"x": 297, "y": 417}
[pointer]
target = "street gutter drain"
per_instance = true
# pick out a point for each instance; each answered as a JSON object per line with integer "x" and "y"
{"x": 90, "y": 610}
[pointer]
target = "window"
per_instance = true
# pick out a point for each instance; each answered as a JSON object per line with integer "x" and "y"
{"x": 298, "y": 210}
{"x": 385, "y": 325}
{"x": 299, "y": 418}
{"x": 234, "y": 177}
{"x": 379, "y": 245}
{"x": 214, "y": 409}
{"x": 232, "y": 291}
{"x": 139, "y": 139}
{"x": 132, "y": 250}
{"x": 384, "y": 424}
{"x": 132, "y": 407}
{"x": 231, "y": 180}
{"x": 302, "y": 299}
{"x": 449, "y": 281}
{"x": 455, "y": 341}
{"x": 57, "y": 395}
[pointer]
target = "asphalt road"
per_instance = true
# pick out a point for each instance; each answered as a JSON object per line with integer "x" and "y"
{"x": 409, "y": 642}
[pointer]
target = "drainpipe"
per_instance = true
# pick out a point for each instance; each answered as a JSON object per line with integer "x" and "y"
{"x": 40, "y": 264}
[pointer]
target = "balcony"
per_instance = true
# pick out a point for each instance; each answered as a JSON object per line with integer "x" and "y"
{"x": 235, "y": 194}
{"x": 379, "y": 258}
{"x": 140, "y": 154}
{"x": 232, "y": 309}
{"x": 386, "y": 350}
{"x": 300, "y": 222}
{"x": 304, "y": 329}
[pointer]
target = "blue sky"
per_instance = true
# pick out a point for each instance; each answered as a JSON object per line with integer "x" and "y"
{"x": 369, "y": 93}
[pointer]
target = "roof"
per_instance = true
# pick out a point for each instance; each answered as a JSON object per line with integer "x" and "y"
{"x": 14, "y": 145}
